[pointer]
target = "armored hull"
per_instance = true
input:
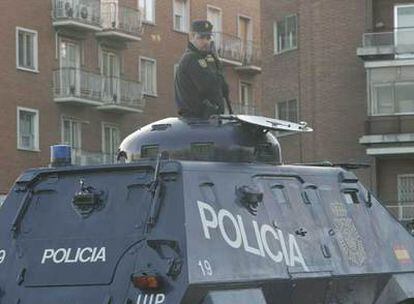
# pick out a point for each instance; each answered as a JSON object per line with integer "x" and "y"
{"x": 200, "y": 232}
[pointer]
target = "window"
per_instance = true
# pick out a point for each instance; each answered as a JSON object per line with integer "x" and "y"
{"x": 287, "y": 110}
{"x": 110, "y": 71}
{"x": 246, "y": 99}
{"x": 406, "y": 189}
{"x": 26, "y": 49}
{"x": 406, "y": 196}
{"x": 147, "y": 8}
{"x": 285, "y": 34}
{"x": 148, "y": 76}
{"x": 246, "y": 36}
{"x": 69, "y": 73}
{"x": 215, "y": 17}
{"x": 181, "y": 15}
{"x": 111, "y": 139}
{"x": 393, "y": 98}
{"x": 27, "y": 129}
{"x": 403, "y": 24}
{"x": 72, "y": 133}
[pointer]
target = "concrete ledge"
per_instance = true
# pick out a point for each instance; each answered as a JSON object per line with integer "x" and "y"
{"x": 390, "y": 151}
{"x": 386, "y": 138}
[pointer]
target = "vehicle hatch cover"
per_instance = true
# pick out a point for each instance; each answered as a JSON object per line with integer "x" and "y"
{"x": 271, "y": 124}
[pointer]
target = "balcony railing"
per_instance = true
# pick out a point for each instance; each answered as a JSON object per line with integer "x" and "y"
{"x": 228, "y": 47}
{"x": 79, "y": 13}
{"x": 400, "y": 41}
{"x": 242, "y": 109}
{"x": 84, "y": 158}
{"x": 124, "y": 20}
{"x": 122, "y": 93}
{"x": 79, "y": 86}
{"x": 251, "y": 54}
{"x": 402, "y": 211}
{"x": 72, "y": 84}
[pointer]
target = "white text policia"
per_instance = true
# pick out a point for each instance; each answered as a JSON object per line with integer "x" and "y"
{"x": 265, "y": 236}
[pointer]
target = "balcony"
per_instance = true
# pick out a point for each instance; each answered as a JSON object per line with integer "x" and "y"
{"x": 122, "y": 96}
{"x": 229, "y": 48}
{"x": 77, "y": 87}
{"x": 120, "y": 23}
{"x": 389, "y": 135}
{"x": 242, "y": 109}
{"x": 251, "y": 58}
{"x": 79, "y": 15}
{"x": 112, "y": 94}
{"x": 84, "y": 158}
{"x": 396, "y": 44}
{"x": 389, "y": 124}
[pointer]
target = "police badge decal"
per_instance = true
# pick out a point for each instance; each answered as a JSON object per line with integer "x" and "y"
{"x": 202, "y": 63}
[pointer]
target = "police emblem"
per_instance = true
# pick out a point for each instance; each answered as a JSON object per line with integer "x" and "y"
{"x": 203, "y": 63}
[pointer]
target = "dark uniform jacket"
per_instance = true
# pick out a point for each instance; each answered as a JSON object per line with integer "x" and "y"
{"x": 200, "y": 85}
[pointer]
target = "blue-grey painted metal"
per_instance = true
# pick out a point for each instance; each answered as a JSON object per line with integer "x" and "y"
{"x": 212, "y": 232}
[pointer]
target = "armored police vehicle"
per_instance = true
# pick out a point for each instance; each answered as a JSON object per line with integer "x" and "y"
{"x": 200, "y": 212}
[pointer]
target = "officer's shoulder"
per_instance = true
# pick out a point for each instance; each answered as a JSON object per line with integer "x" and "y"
{"x": 189, "y": 56}
{"x": 188, "y": 59}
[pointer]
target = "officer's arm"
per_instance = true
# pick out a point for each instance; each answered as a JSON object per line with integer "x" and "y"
{"x": 225, "y": 86}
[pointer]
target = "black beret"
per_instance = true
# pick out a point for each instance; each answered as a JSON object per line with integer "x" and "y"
{"x": 202, "y": 26}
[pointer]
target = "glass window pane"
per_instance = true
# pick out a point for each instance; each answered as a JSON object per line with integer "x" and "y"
{"x": 404, "y": 94}
{"x": 291, "y": 31}
{"x": 292, "y": 108}
{"x": 26, "y": 128}
{"x": 21, "y": 49}
{"x": 76, "y": 135}
{"x": 384, "y": 100}
{"x": 29, "y": 50}
{"x": 281, "y": 36}
{"x": 66, "y": 132}
{"x": 282, "y": 110}
{"x": 405, "y": 16}
{"x": 149, "y": 10}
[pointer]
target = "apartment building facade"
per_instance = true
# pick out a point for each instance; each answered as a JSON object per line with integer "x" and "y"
{"x": 345, "y": 68}
{"x": 89, "y": 72}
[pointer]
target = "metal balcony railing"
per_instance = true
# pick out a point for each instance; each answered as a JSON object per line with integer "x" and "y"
{"x": 402, "y": 211}
{"x": 242, "y": 109}
{"x": 90, "y": 87}
{"x": 228, "y": 46}
{"x": 117, "y": 91}
{"x": 120, "y": 18}
{"x": 82, "y": 11}
{"x": 397, "y": 37}
{"x": 73, "y": 82}
{"x": 251, "y": 53}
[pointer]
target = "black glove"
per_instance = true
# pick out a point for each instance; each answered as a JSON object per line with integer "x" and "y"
{"x": 209, "y": 108}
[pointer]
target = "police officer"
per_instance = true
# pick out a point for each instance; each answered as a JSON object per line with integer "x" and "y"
{"x": 200, "y": 86}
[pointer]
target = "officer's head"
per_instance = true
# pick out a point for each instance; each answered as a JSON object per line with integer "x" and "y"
{"x": 200, "y": 37}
